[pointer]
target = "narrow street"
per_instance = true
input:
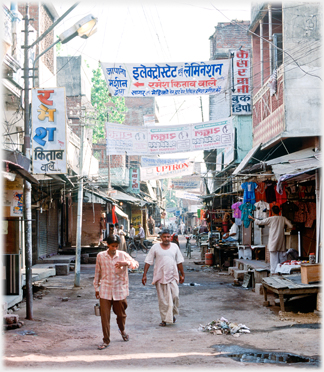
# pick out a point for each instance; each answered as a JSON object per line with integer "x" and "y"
{"x": 65, "y": 332}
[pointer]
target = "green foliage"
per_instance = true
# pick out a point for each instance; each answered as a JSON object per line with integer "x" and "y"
{"x": 102, "y": 102}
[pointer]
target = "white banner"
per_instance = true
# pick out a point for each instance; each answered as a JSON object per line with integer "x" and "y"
{"x": 167, "y": 171}
{"x": 182, "y": 185}
{"x": 153, "y": 162}
{"x": 49, "y": 131}
{"x": 168, "y": 139}
{"x": 186, "y": 195}
{"x": 166, "y": 79}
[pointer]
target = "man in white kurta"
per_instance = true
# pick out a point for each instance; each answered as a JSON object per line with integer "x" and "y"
{"x": 167, "y": 260}
{"x": 276, "y": 241}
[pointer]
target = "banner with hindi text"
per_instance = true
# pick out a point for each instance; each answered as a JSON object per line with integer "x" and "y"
{"x": 168, "y": 139}
{"x": 166, "y": 79}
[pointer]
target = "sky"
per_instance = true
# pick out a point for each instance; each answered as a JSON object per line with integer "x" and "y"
{"x": 152, "y": 32}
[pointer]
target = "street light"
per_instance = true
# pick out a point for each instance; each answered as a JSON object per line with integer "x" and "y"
{"x": 84, "y": 32}
{"x": 84, "y": 28}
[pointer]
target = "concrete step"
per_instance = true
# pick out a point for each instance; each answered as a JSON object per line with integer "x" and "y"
{"x": 239, "y": 274}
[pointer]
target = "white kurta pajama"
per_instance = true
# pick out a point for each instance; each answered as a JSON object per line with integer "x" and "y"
{"x": 166, "y": 278}
{"x": 276, "y": 241}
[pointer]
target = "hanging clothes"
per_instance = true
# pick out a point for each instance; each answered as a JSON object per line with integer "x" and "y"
{"x": 246, "y": 209}
{"x": 288, "y": 210}
{"x": 249, "y": 194}
{"x": 281, "y": 195}
{"x": 301, "y": 215}
{"x": 270, "y": 191}
{"x": 236, "y": 210}
{"x": 260, "y": 192}
{"x": 261, "y": 209}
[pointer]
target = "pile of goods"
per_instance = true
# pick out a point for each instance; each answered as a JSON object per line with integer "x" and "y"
{"x": 224, "y": 327}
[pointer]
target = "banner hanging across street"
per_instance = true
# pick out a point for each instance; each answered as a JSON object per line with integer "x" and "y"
{"x": 167, "y": 171}
{"x": 153, "y": 162}
{"x": 168, "y": 139}
{"x": 187, "y": 195}
{"x": 166, "y": 79}
{"x": 49, "y": 131}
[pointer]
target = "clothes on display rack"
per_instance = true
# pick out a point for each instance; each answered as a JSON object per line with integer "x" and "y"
{"x": 288, "y": 210}
{"x": 249, "y": 192}
{"x": 261, "y": 209}
{"x": 246, "y": 209}
{"x": 236, "y": 210}
{"x": 260, "y": 192}
{"x": 301, "y": 214}
{"x": 270, "y": 191}
{"x": 281, "y": 195}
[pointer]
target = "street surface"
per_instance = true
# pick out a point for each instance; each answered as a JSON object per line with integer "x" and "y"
{"x": 65, "y": 333}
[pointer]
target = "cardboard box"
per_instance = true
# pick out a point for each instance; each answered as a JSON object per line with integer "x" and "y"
{"x": 310, "y": 273}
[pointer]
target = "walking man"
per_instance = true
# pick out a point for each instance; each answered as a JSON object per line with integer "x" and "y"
{"x": 132, "y": 231}
{"x": 141, "y": 234}
{"x": 168, "y": 262}
{"x": 276, "y": 242}
{"x": 111, "y": 286}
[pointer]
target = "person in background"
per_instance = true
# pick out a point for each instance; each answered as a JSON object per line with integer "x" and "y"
{"x": 122, "y": 235}
{"x": 116, "y": 229}
{"x": 141, "y": 234}
{"x": 233, "y": 234}
{"x": 111, "y": 230}
{"x": 151, "y": 225}
{"x": 132, "y": 231}
{"x": 276, "y": 241}
{"x": 203, "y": 229}
{"x": 111, "y": 287}
{"x": 167, "y": 260}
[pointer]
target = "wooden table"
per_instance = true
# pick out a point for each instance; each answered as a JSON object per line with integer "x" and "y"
{"x": 224, "y": 251}
{"x": 288, "y": 285}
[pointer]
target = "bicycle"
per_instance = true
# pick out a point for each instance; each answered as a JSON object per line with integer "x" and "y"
{"x": 134, "y": 245}
{"x": 188, "y": 246}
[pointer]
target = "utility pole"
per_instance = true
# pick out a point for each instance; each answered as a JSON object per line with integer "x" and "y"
{"x": 80, "y": 206}
{"x": 27, "y": 185}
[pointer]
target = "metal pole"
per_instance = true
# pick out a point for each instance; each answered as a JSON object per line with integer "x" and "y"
{"x": 27, "y": 185}
{"x": 80, "y": 206}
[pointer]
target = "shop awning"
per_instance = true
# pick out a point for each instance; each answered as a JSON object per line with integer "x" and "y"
{"x": 121, "y": 213}
{"x": 298, "y": 162}
{"x": 21, "y": 171}
{"x": 121, "y": 196}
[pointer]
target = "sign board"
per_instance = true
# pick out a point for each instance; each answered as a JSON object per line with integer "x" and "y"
{"x": 166, "y": 79}
{"x": 169, "y": 139}
{"x": 219, "y": 162}
{"x": 228, "y": 155}
{"x": 49, "y": 131}
{"x": 153, "y": 162}
{"x": 241, "y": 98}
{"x": 134, "y": 180}
{"x": 187, "y": 195}
{"x": 167, "y": 171}
{"x": 182, "y": 185}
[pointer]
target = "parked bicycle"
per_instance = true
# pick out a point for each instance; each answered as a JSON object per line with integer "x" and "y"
{"x": 134, "y": 245}
{"x": 188, "y": 245}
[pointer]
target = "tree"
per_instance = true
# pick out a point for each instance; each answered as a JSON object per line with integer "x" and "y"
{"x": 102, "y": 101}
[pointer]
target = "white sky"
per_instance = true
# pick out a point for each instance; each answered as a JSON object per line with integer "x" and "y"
{"x": 152, "y": 32}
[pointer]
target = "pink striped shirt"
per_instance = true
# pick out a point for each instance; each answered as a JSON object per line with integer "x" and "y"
{"x": 113, "y": 282}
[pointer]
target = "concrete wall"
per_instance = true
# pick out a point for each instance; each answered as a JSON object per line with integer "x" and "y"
{"x": 302, "y": 26}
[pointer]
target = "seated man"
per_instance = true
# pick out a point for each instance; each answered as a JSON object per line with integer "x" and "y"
{"x": 232, "y": 235}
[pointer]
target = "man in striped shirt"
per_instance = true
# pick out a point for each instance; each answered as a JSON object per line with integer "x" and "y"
{"x": 111, "y": 286}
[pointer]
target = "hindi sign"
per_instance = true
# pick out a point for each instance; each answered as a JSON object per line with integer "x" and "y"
{"x": 166, "y": 79}
{"x": 241, "y": 98}
{"x": 153, "y": 162}
{"x": 168, "y": 139}
{"x": 49, "y": 131}
{"x": 134, "y": 180}
{"x": 182, "y": 185}
{"x": 167, "y": 171}
{"x": 186, "y": 195}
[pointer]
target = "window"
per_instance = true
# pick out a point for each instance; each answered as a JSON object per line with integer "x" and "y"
{"x": 276, "y": 53}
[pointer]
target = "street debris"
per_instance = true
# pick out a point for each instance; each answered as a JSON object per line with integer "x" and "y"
{"x": 191, "y": 284}
{"x": 138, "y": 271}
{"x": 225, "y": 327}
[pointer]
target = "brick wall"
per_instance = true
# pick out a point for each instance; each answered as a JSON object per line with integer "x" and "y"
{"x": 230, "y": 36}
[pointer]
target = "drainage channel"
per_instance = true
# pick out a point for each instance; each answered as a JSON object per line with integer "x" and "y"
{"x": 247, "y": 355}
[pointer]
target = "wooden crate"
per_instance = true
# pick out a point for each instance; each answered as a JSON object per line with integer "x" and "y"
{"x": 310, "y": 273}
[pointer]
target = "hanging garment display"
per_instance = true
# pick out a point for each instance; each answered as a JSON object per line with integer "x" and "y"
{"x": 260, "y": 192}
{"x": 246, "y": 209}
{"x": 236, "y": 210}
{"x": 288, "y": 210}
{"x": 270, "y": 191}
{"x": 249, "y": 194}
{"x": 261, "y": 209}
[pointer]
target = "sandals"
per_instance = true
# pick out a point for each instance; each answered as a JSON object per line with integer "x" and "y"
{"x": 125, "y": 336}
{"x": 162, "y": 324}
{"x": 174, "y": 319}
{"x": 103, "y": 346}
